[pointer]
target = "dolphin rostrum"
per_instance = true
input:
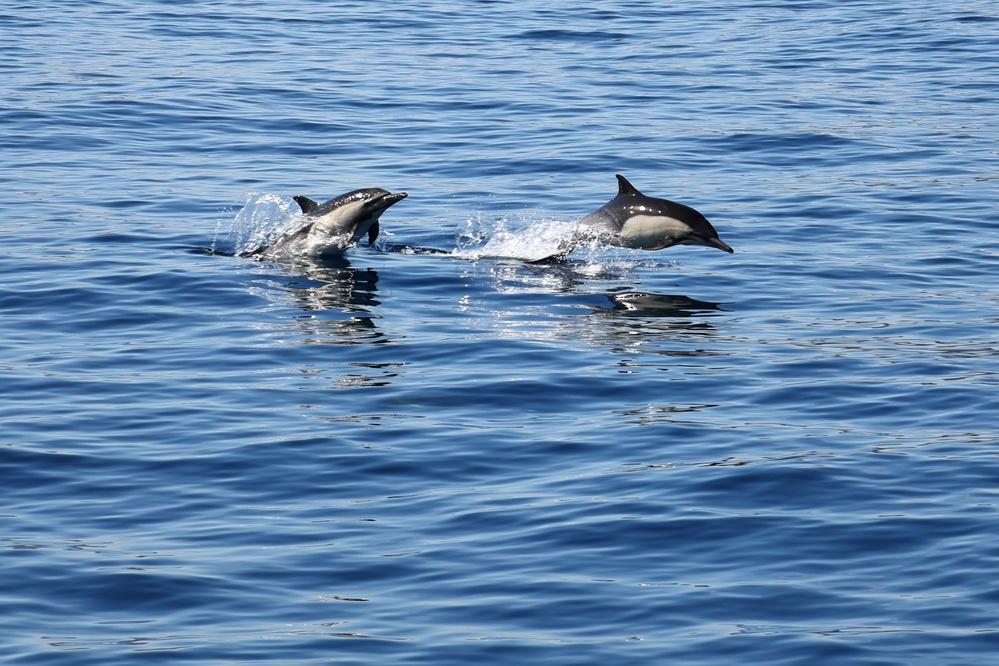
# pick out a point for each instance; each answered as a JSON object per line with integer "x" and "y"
{"x": 332, "y": 227}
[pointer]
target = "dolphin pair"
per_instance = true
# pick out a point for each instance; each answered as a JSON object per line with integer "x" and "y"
{"x": 630, "y": 219}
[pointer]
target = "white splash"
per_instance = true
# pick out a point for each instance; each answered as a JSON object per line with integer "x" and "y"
{"x": 514, "y": 237}
{"x": 527, "y": 239}
{"x": 262, "y": 218}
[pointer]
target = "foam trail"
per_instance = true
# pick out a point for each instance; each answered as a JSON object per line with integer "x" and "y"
{"x": 521, "y": 238}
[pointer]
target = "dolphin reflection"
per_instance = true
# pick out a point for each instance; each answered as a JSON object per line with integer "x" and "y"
{"x": 333, "y": 284}
{"x": 339, "y": 301}
{"x": 644, "y": 322}
{"x": 642, "y": 304}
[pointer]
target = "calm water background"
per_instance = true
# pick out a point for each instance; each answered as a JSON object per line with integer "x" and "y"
{"x": 785, "y": 455}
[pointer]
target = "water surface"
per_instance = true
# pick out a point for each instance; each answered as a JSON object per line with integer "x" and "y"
{"x": 420, "y": 454}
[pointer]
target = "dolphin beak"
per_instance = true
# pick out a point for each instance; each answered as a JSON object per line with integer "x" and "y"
{"x": 382, "y": 203}
{"x": 391, "y": 198}
{"x": 717, "y": 242}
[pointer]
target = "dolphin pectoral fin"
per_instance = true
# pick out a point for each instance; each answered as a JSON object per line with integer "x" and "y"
{"x": 372, "y": 233}
{"x": 307, "y": 204}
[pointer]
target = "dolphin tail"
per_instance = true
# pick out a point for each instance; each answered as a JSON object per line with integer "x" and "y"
{"x": 562, "y": 253}
{"x": 556, "y": 258}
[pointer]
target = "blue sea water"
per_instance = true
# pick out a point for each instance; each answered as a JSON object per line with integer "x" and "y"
{"x": 425, "y": 454}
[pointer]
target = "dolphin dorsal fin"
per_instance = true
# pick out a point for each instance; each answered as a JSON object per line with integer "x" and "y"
{"x": 624, "y": 187}
{"x": 307, "y": 204}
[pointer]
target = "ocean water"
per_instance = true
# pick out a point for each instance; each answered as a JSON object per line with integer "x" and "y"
{"x": 434, "y": 452}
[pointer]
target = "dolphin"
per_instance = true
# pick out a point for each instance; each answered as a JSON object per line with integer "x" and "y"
{"x": 634, "y": 220}
{"x": 332, "y": 227}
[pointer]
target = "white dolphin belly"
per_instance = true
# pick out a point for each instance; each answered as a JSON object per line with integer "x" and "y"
{"x": 651, "y": 232}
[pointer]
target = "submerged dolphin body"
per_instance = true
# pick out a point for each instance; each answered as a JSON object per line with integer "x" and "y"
{"x": 634, "y": 220}
{"x": 332, "y": 227}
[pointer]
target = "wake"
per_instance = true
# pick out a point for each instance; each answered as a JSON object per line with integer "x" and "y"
{"x": 523, "y": 238}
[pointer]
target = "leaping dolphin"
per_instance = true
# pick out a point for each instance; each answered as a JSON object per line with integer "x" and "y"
{"x": 332, "y": 227}
{"x": 634, "y": 220}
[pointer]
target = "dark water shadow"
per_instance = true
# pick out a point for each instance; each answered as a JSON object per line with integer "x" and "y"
{"x": 637, "y": 318}
{"x": 663, "y": 325}
{"x": 643, "y": 304}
